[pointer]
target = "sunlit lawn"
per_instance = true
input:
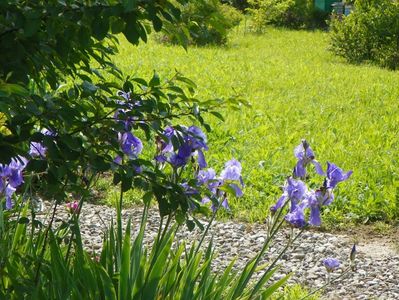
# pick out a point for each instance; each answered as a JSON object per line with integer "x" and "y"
{"x": 349, "y": 114}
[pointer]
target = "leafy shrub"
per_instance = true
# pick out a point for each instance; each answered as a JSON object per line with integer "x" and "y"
{"x": 207, "y": 21}
{"x": 369, "y": 33}
{"x": 287, "y": 13}
{"x": 239, "y": 4}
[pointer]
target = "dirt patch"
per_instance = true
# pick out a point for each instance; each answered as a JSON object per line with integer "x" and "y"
{"x": 373, "y": 243}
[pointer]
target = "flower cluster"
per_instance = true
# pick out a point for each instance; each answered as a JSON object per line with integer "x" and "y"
{"x": 73, "y": 207}
{"x": 11, "y": 177}
{"x": 130, "y": 145}
{"x": 192, "y": 142}
{"x": 300, "y": 197}
{"x": 230, "y": 179}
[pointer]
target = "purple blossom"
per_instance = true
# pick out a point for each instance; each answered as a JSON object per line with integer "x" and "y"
{"x": 331, "y": 264}
{"x": 315, "y": 200}
{"x": 296, "y": 218}
{"x": 11, "y": 177}
{"x": 130, "y": 145}
{"x": 335, "y": 175}
{"x": 37, "y": 150}
{"x": 232, "y": 170}
{"x": 16, "y": 166}
{"x": 193, "y": 143}
{"x": 294, "y": 190}
{"x": 204, "y": 176}
{"x": 305, "y": 155}
{"x": 196, "y": 138}
{"x": 180, "y": 158}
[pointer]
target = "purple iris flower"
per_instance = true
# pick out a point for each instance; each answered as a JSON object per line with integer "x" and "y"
{"x": 294, "y": 190}
{"x": 331, "y": 264}
{"x": 232, "y": 172}
{"x": 197, "y": 138}
{"x": 296, "y": 218}
{"x": 11, "y": 177}
{"x": 16, "y": 166}
{"x": 204, "y": 176}
{"x": 180, "y": 158}
{"x": 305, "y": 155}
{"x": 130, "y": 145}
{"x": 335, "y": 175}
{"x": 37, "y": 150}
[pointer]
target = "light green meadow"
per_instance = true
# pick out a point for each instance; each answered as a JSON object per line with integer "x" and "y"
{"x": 349, "y": 114}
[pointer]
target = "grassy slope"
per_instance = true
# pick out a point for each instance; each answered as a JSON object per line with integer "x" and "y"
{"x": 349, "y": 114}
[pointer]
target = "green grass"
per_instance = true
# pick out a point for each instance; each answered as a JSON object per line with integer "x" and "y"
{"x": 349, "y": 114}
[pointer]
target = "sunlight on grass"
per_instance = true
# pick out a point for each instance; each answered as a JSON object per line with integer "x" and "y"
{"x": 297, "y": 89}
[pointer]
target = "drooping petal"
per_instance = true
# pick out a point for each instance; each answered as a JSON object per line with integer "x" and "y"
{"x": 237, "y": 190}
{"x": 314, "y": 218}
{"x": 280, "y": 202}
{"x": 225, "y": 204}
{"x": 300, "y": 169}
{"x": 296, "y": 218}
{"x": 201, "y": 159}
{"x": 10, "y": 190}
{"x": 319, "y": 169}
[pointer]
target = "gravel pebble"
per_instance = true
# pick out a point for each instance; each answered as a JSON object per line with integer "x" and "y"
{"x": 375, "y": 277}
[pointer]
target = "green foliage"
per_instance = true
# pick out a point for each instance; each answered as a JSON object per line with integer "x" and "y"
{"x": 57, "y": 74}
{"x": 207, "y": 21}
{"x": 49, "y": 262}
{"x": 239, "y": 4}
{"x": 285, "y": 13}
{"x": 369, "y": 33}
{"x": 297, "y": 89}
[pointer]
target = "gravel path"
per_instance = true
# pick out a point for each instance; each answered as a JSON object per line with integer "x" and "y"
{"x": 376, "y": 277}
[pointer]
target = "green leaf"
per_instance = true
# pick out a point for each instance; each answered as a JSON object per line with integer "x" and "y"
{"x": 89, "y": 87}
{"x": 217, "y": 115}
{"x": 131, "y": 30}
{"x": 129, "y": 5}
{"x": 100, "y": 27}
{"x": 117, "y": 25}
{"x": 271, "y": 289}
{"x": 157, "y": 23}
{"x": 12, "y": 88}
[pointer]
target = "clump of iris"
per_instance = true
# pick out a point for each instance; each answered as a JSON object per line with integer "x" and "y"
{"x": 179, "y": 144}
{"x": 300, "y": 198}
{"x": 11, "y": 177}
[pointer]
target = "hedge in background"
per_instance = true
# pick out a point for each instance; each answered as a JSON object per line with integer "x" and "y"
{"x": 370, "y": 33}
{"x": 207, "y": 21}
{"x": 286, "y": 13}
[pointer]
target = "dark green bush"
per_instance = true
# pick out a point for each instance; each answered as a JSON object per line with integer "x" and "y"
{"x": 286, "y": 13}
{"x": 208, "y": 22}
{"x": 370, "y": 33}
{"x": 239, "y": 4}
